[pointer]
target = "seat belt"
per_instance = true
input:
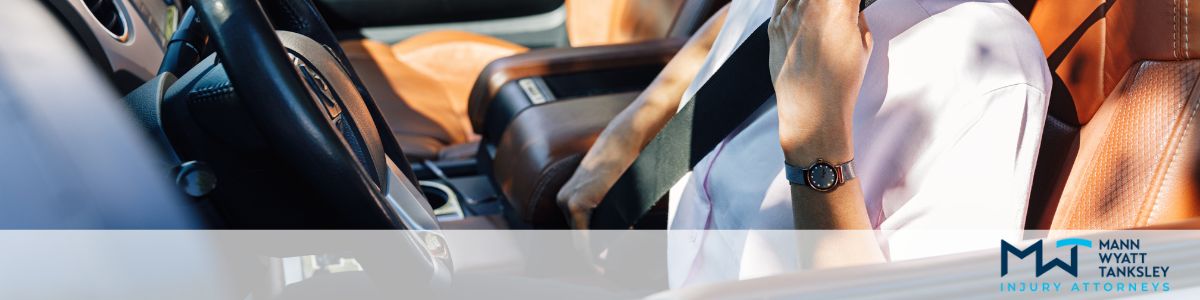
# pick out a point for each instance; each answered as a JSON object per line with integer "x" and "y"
{"x": 739, "y": 87}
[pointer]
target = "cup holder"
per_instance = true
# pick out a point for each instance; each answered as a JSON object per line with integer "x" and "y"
{"x": 443, "y": 200}
{"x": 436, "y": 196}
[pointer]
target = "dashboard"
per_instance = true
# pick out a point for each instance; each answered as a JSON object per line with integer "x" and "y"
{"x": 126, "y": 37}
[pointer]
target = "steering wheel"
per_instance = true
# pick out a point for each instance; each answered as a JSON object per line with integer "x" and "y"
{"x": 314, "y": 118}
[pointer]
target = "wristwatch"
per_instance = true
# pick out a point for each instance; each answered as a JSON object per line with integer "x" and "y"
{"x": 821, "y": 176}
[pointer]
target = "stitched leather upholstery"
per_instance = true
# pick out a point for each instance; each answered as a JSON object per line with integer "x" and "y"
{"x": 1092, "y": 43}
{"x": 1138, "y": 147}
{"x": 1118, "y": 148}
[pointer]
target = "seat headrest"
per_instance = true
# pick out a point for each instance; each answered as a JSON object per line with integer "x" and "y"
{"x": 1091, "y": 44}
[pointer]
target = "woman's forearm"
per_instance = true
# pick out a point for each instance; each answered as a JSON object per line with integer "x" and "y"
{"x": 619, "y": 144}
{"x": 625, "y": 136}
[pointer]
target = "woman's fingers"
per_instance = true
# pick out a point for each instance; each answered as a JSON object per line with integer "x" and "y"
{"x": 579, "y": 210}
{"x": 577, "y": 199}
{"x": 865, "y": 31}
{"x": 779, "y": 4}
{"x": 580, "y": 217}
{"x": 782, "y": 31}
{"x": 565, "y": 195}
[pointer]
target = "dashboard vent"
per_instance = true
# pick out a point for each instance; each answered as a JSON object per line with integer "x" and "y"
{"x": 107, "y": 13}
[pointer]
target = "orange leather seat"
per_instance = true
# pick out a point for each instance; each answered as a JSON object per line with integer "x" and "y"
{"x": 1119, "y": 146}
{"x": 422, "y": 83}
{"x": 421, "y": 86}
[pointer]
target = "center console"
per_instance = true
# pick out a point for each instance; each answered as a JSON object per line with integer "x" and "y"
{"x": 539, "y": 112}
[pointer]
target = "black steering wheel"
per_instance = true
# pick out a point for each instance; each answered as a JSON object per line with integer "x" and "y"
{"x": 315, "y": 118}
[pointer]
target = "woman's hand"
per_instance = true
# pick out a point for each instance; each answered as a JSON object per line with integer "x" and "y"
{"x": 818, "y": 56}
{"x": 587, "y": 187}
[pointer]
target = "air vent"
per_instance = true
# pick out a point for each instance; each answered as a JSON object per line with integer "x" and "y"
{"x": 107, "y": 13}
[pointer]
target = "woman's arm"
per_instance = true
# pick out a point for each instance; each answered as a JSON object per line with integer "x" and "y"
{"x": 819, "y": 51}
{"x": 618, "y": 146}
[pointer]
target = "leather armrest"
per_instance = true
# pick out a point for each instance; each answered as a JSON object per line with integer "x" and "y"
{"x": 541, "y": 149}
{"x": 559, "y": 61}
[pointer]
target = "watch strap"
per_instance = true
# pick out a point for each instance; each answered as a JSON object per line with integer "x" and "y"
{"x": 847, "y": 172}
{"x": 795, "y": 175}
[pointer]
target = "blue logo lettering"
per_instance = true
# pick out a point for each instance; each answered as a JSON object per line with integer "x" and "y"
{"x": 1036, "y": 249}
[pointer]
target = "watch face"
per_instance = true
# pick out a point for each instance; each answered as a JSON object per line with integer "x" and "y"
{"x": 821, "y": 176}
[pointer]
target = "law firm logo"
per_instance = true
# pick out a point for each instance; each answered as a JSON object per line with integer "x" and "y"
{"x": 1112, "y": 266}
{"x": 1007, "y": 250}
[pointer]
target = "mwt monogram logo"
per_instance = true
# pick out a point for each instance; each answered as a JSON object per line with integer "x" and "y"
{"x": 1036, "y": 250}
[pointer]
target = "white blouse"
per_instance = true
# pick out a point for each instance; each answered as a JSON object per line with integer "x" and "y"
{"x": 946, "y": 133}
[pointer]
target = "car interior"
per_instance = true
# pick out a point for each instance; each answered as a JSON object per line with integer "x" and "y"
{"x": 433, "y": 115}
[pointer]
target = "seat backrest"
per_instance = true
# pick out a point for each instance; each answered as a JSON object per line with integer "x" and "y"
{"x": 602, "y": 22}
{"x": 1118, "y": 146}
